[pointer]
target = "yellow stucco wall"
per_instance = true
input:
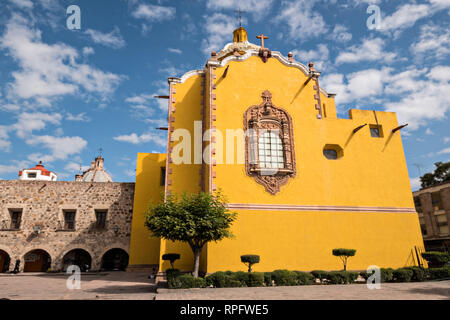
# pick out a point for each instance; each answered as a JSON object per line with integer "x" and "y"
{"x": 144, "y": 249}
{"x": 371, "y": 173}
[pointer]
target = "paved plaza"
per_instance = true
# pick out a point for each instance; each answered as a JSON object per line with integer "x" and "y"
{"x": 137, "y": 286}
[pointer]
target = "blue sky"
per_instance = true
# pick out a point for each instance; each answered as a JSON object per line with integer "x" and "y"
{"x": 66, "y": 93}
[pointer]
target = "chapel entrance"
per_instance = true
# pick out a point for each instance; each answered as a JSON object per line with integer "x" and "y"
{"x": 115, "y": 260}
{"x": 78, "y": 257}
{"x": 37, "y": 261}
{"x": 4, "y": 261}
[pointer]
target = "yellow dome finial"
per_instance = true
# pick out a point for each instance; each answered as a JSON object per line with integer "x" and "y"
{"x": 240, "y": 35}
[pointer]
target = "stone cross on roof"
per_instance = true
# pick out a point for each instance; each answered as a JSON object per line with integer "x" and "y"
{"x": 262, "y": 37}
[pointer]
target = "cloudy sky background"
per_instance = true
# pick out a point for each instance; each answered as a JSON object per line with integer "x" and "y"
{"x": 66, "y": 93}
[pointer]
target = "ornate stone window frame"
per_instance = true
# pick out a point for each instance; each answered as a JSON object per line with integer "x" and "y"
{"x": 262, "y": 118}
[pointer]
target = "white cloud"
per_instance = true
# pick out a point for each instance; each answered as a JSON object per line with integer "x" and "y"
{"x": 424, "y": 102}
{"x": 88, "y": 51}
{"x": 320, "y": 56}
{"x": 153, "y": 13}
{"x": 48, "y": 71}
{"x": 433, "y": 43}
{"x": 415, "y": 183}
{"x": 444, "y": 151}
{"x": 302, "y": 20}
{"x": 79, "y": 117}
{"x": 113, "y": 39}
{"x": 340, "y": 34}
{"x": 75, "y": 167}
{"x": 15, "y": 167}
{"x": 429, "y": 132}
{"x": 143, "y": 138}
{"x": 174, "y": 50}
{"x": 25, "y": 4}
{"x": 219, "y": 29}
{"x": 29, "y": 122}
{"x": 258, "y": 8}
{"x": 60, "y": 147}
{"x": 362, "y": 84}
{"x": 5, "y": 144}
{"x": 369, "y": 50}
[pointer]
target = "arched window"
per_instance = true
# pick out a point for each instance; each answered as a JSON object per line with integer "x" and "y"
{"x": 270, "y": 149}
{"x": 270, "y": 156}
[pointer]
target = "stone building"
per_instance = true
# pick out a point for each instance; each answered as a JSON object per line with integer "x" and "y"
{"x": 53, "y": 224}
{"x": 433, "y": 207}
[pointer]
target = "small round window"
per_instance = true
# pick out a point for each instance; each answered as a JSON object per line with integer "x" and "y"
{"x": 330, "y": 154}
{"x": 333, "y": 151}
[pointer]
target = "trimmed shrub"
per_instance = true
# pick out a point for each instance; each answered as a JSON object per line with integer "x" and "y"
{"x": 217, "y": 279}
{"x": 249, "y": 260}
{"x": 436, "y": 259}
{"x": 172, "y": 276}
{"x": 304, "y": 278}
{"x": 385, "y": 274}
{"x": 403, "y": 275}
{"x": 187, "y": 281}
{"x": 268, "y": 279}
{"x": 255, "y": 279}
{"x": 419, "y": 274}
{"x": 284, "y": 278}
{"x": 344, "y": 254}
{"x": 171, "y": 257}
{"x": 227, "y": 279}
{"x": 341, "y": 277}
{"x": 319, "y": 274}
{"x": 241, "y": 276}
{"x": 439, "y": 273}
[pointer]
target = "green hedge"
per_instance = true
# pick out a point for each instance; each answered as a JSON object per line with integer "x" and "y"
{"x": 320, "y": 274}
{"x": 439, "y": 273}
{"x": 436, "y": 259}
{"x": 341, "y": 277}
{"x": 385, "y": 273}
{"x": 268, "y": 279}
{"x": 403, "y": 275}
{"x": 284, "y": 278}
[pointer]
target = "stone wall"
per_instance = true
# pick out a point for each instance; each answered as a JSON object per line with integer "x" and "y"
{"x": 43, "y": 204}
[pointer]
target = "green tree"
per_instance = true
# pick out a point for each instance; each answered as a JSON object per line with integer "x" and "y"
{"x": 344, "y": 254}
{"x": 194, "y": 218}
{"x": 441, "y": 174}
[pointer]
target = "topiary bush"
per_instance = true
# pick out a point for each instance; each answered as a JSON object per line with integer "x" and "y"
{"x": 249, "y": 260}
{"x": 436, "y": 259}
{"x": 268, "y": 279}
{"x": 438, "y": 273}
{"x": 187, "y": 281}
{"x": 342, "y": 277}
{"x": 171, "y": 257}
{"x": 304, "y": 278}
{"x": 344, "y": 254}
{"x": 402, "y": 275}
{"x": 172, "y": 276}
{"x": 255, "y": 279}
{"x": 241, "y": 276}
{"x": 319, "y": 274}
{"x": 284, "y": 278}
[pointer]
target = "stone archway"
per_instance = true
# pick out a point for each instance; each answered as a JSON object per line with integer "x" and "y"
{"x": 5, "y": 261}
{"x": 115, "y": 259}
{"x": 78, "y": 257}
{"x": 37, "y": 260}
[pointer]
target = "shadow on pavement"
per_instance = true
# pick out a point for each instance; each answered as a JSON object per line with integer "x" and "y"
{"x": 444, "y": 292}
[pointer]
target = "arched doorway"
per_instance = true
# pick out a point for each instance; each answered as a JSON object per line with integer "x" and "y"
{"x": 4, "y": 261}
{"x": 78, "y": 257}
{"x": 115, "y": 260}
{"x": 37, "y": 261}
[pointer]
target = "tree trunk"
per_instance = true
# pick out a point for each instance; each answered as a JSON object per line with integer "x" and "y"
{"x": 197, "y": 252}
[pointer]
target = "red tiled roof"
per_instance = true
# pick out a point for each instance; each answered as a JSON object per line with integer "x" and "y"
{"x": 40, "y": 167}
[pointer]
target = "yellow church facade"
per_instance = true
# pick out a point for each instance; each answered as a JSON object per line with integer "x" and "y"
{"x": 259, "y": 127}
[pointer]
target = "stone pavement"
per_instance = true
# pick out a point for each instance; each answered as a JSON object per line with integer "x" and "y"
{"x": 137, "y": 286}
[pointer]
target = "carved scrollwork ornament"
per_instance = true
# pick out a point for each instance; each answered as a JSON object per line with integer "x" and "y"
{"x": 258, "y": 120}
